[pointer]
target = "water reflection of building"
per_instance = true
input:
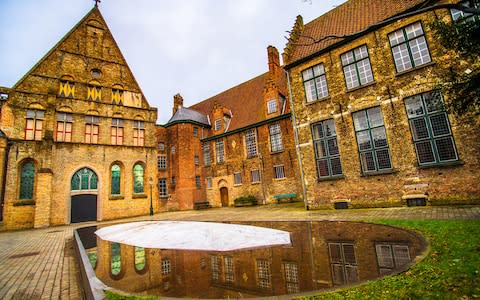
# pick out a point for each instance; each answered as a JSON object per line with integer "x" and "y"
{"x": 322, "y": 255}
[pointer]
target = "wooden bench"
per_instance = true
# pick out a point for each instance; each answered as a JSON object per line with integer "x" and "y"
{"x": 201, "y": 205}
{"x": 289, "y": 197}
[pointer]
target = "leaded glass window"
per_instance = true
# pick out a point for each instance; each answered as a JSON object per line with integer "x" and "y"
{"x": 206, "y": 154}
{"x": 138, "y": 179}
{"x": 263, "y": 271}
{"x": 116, "y": 174}
{"x": 251, "y": 143}
{"x": 372, "y": 140}
{"x": 139, "y": 258}
{"x": 409, "y": 47}
{"x": 272, "y": 106}
{"x": 162, "y": 187}
{"x": 229, "y": 275}
{"x": 391, "y": 256}
{"x": 27, "y": 181}
{"x": 356, "y": 67}
{"x": 198, "y": 182}
{"x": 166, "y": 266}
{"x": 220, "y": 151}
{"x": 430, "y": 128}
{"x": 291, "y": 277}
{"x": 84, "y": 179}
{"x": 343, "y": 263}
{"x": 276, "y": 141}
{"x": 161, "y": 162}
{"x": 315, "y": 83}
{"x": 215, "y": 264}
{"x": 115, "y": 258}
{"x": 326, "y": 149}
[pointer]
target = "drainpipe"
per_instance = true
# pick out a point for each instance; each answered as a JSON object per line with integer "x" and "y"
{"x": 4, "y": 178}
{"x": 295, "y": 135}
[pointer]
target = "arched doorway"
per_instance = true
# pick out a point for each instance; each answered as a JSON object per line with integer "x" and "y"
{"x": 83, "y": 188}
{"x": 224, "y": 196}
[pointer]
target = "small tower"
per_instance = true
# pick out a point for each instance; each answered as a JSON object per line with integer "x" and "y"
{"x": 177, "y": 102}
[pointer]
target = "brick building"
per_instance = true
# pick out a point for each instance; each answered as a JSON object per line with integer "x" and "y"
{"x": 372, "y": 129}
{"x": 78, "y": 137}
{"x": 237, "y": 143}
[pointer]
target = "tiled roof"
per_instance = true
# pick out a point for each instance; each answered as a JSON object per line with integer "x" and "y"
{"x": 186, "y": 114}
{"x": 244, "y": 100}
{"x": 351, "y": 17}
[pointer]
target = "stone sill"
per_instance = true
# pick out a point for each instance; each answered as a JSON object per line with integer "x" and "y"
{"x": 442, "y": 164}
{"x": 331, "y": 178}
{"x": 116, "y": 197}
{"x": 361, "y": 87}
{"x": 138, "y": 196}
{"x": 238, "y": 184}
{"x": 385, "y": 172}
{"x": 277, "y": 152}
{"x": 279, "y": 179}
{"x": 24, "y": 203}
{"x": 432, "y": 63}
{"x": 317, "y": 100}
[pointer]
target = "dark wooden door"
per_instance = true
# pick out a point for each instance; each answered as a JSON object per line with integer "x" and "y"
{"x": 224, "y": 196}
{"x": 83, "y": 208}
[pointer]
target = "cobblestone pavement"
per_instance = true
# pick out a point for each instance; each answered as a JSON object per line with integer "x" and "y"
{"x": 40, "y": 263}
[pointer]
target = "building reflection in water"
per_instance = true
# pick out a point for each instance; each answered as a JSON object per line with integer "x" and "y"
{"x": 323, "y": 254}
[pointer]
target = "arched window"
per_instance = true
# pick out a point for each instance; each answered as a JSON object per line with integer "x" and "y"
{"x": 27, "y": 180}
{"x": 115, "y": 259}
{"x": 115, "y": 184}
{"x": 138, "y": 178}
{"x": 139, "y": 258}
{"x": 84, "y": 179}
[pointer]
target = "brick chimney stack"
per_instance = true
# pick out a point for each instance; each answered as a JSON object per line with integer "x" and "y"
{"x": 177, "y": 102}
{"x": 273, "y": 61}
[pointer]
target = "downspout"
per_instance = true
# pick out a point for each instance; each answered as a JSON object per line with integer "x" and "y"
{"x": 4, "y": 178}
{"x": 297, "y": 146}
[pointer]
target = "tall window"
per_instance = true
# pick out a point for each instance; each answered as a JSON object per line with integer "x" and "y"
{"x": 116, "y": 175}
{"x": 198, "y": 183}
{"x": 166, "y": 266}
{"x": 356, "y": 67}
{"x": 220, "y": 151}
{"x": 94, "y": 93}
{"x": 196, "y": 160}
{"x": 237, "y": 178}
{"x": 91, "y": 129}
{"x": 215, "y": 264}
{"x": 84, "y": 179}
{"x": 34, "y": 126}
{"x": 67, "y": 89}
{"x": 64, "y": 127}
{"x": 391, "y": 256}
{"x": 409, "y": 47}
{"x": 276, "y": 137}
{"x": 229, "y": 271}
{"x": 139, "y": 258}
{"x": 430, "y": 129}
{"x": 255, "y": 175}
{"x": 138, "y": 179}
{"x": 372, "y": 140}
{"x": 206, "y": 154}
{"x": 138, "y": 133}
{"x": 343, "y": 263}
{"x": 162, "y": 187}
{"x": 326, "y": 149}
{"x": 117, "y": 96}
{"x": 263, "y": 271}
{"x": 162, "y": 162}
{"x": 291, "y": 277}
{"x": 272, "y": 106}
{"x": 27, "y": 181}
{"x": 117, "y": 132}
{"x": 195, "y": 131}
{"x": 279, "y": 172}
{"x": 209, "y": 182}
{"x": 115, "y": 258}
{"x": 218, "y": 124}
{"x": 315, "y": 83}
{"x": 251, "y": 143}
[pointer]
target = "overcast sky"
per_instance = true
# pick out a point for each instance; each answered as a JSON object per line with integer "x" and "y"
{"x": 197, "y": 48}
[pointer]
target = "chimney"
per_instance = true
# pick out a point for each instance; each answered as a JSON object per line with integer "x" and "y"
{"x": 177, "y": 102}
{"x": 273, "y": 60}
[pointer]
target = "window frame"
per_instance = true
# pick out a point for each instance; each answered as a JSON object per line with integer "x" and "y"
{"x": 252, "y": 177}
{"x": 117, "y": 132}
{"x": 407, "y": 42}
{"x": 264, "y": 274}
{"x": 291, "y": 277}
{"x": 139, "y": 133}
{"x": 92, "y": 125}
{"x": 207, "y": 158}
{"x": 220, "y": 151}
{"x": 27, "y": 182}
{"x": 276, "y": 172}
{"x": 324, "y": 139}
{"x": 272, "y": 106}
{"x": 37, "y": 118}
{"x": 162, "y": 187}
{"x": 198, "y": 182}
{"x": 343, "y": 262}
{"x": 136, "y": 174}
{"x": 251, "y": 147}
{"x": 112, "y": 192}
{"x": 161, "y": 162}
{"x": 276, "y": 139}
{"x": 237, "y": 178}
{"x": 355, "y": 64}
{"x": 218, "y": 124}
{"x": 65, "y": 120}
{"x": 322, "y": 85}
{"x": 209, "y": 182}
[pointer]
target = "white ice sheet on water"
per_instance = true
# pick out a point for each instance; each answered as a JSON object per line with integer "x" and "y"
{"x": 186, "y": 235}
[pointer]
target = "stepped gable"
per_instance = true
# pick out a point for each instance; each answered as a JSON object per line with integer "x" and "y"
{"x": 348, "y": 18}
{"x": 245, "y": 101}
{"x": 88, "y": 45}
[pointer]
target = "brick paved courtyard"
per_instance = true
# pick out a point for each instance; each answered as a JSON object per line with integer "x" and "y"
{"x": 40, "y": 263}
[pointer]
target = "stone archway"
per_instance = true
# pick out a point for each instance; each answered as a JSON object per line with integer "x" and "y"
{"x": 84, "y": 190}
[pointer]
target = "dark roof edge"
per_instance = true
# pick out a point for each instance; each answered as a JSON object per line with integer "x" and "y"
{"x": 408, "y": 13}
{"x": 184, "y": 121}
{"x": 278, "y": 118}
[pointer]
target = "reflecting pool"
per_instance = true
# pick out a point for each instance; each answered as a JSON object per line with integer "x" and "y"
{"x": 319, "y": 255}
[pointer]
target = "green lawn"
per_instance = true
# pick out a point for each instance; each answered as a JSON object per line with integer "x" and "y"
{"x": 450, "y": 271}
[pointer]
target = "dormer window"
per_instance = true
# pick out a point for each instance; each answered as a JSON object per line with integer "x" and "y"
{"x": 272, "y": 106}
{"x": 218, "y": 124}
